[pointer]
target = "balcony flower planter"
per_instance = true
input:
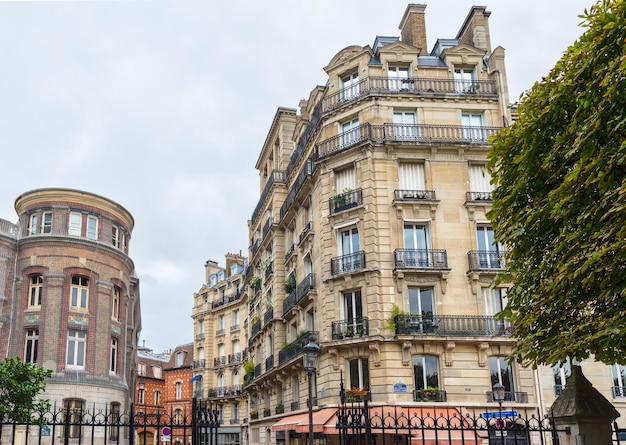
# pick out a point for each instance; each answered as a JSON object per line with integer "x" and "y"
{"x": 356, "y": 394}
{"x": 267, "y": 412}
{"x": 280, "y": 408}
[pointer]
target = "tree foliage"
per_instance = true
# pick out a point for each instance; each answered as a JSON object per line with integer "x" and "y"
{"x": 20, "y": 385}
{"x": 560, "y": 202}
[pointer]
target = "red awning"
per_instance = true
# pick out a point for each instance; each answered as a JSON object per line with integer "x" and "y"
{"x": 300, "y": 422}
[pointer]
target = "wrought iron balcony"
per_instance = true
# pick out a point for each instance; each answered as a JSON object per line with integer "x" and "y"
{"x": 226, "y": 391}
{"x": 347, "y": 263}
{"x": 268, "y": 315}
{"x": 307, "y": 170}
{"x": 519, "y": 397}
{"x": 345, "y": 201}
{"x": 295, "y": 348}
{"x": 420, "y": 259}
{"x": 269, "y": 363}
{"x": 295, "y": 406}
{"x": 478, "y": 197}
{"x": 277, "y": 176}
{"x": 248, "y": 378}
{"x": 486, "y": 260}
{"x": 256, "y": 328}
{"x": 429, "y": 395}
{"x": 452, "y": 325}
{"x": 345, "y": 329}
{"x": 290, "y": 252}
{"x": 302, "y": 290}
{"x": 419, "y": 87}
{"x": 235, "y": 358}
{"x": 226, "y": 300}
{"x": 305, "y": 231}
{"x": 269, "y": 270}
{"x": 268, "y": 226}
{"x": 427, "y": 134}
{"x": 219, "y": 361}
{"x": 257, "y": 370}
{"x": 619, "y": 391}
{"x": 198, "y": 364}
{"x": 415, "y": 195}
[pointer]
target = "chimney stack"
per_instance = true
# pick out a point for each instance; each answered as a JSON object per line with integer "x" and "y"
{"x": 413, "y": 27}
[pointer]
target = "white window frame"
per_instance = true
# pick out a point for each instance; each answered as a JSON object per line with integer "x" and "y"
{"x": 618, "y": 373}
{"x": 35, "y": 291}
{"x": 426, "y": 361}
{"x": 178, "y": 390}
{"x": 31, "y": 346}
{"x": 350, "y": 132}
{"x": 480, "y": 178}
{"x": 76, "y": 353}
{"x": 75, "y": 226}
{"x": 473, "y": 126}
{"x": 396, "y": 74}
{"x": 115, "y": 304}
{"x": 92, "y": 227}
{"x": 350, "y": 86}
{"x": 79, "y": 293}
{"x": 405, "y": 124}
{"x": 114, "y": 350}
{"x": 465, "y": 79}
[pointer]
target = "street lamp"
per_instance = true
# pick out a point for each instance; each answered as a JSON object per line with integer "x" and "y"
{"x": 499, "y": 392}
{"x": 311, "y": 355}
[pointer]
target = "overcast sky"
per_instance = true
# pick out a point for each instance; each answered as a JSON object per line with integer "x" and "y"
{"x": 163, "y": 107}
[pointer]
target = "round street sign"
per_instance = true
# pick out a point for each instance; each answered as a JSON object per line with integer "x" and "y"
{"x": 166, "y": 431}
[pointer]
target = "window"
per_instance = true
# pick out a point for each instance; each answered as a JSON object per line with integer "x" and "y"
{"x": 73, "y": 408}
{"x": 489, "y": 251}
{"x": 417, "y": 245}
{"x": 79, "y": 293}
{"x": 350, "y": 87}
{"x": 115, "y": 304}
{"x": 178, "y": 416}
{"x": 221, "y": 350}
{"x": 396, "y": 75}
{"x": 473, "y": 127}
{"x": 235, "y": 318}
{"x": 157, "y": 397}
{"x": 92, "y": 227}
{"x": 46, "y": 223}
{"x": 75, "y": 357}
{"x": 359, "y": 373}
{"x": 494, "y": 300}
{"x": 36, "y": 227}
{"x": 35, "y": 292}
{"x": 349, "y": 251}
{"x": 502, "y": 372}
{"x": 350, "y": 132}
{"x": 114, "y": 428}
{"x": 31, "y": 346}
{"x": 352, "y": 313}
{"x": 141, "y": 396}
{"x": 426, "y": 371}
{"x": 345, "y": 179}
{"x": 213, "y": 280}
{"x": 295, "y": 390}
{"x": 619, "y": 380}
{"x": 200, "y": 327}
{"x": 180, "y": 358}
{"x": 464, "y": 80}
{"x": 179, "y": 390}
{"x": 411, "y": 179}
{"x": 76, "y": 224}
{"x": 157, "y": 372}
{"x": 236, "y": 378}
{"x": 236, "y": 347}
{"x": 113, "y": 363}
{"x": 220, "y": 324}
{"x": 220, "y": 385}
{"x": 118, "y": 237}
{"x": 480, "y": 179}
{"x": 235, "y": 413}
{"x": 421, "y": 302}
{"x": 562, "y": 371}
{"x": 405, "y": 125}
{"x": 141, "y": 369}
{"x": 201, "y": 356}
{"x": 33, "y": 226}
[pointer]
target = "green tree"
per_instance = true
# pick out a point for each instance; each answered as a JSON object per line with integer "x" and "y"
{"x": 560, "y": 202}
{"x": 20, "y": 384}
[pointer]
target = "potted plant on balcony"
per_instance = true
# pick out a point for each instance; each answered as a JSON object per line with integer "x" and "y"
{"x": 431, "y": 393}
{"x": 248, "y": 366}
{"x": 391, "y": 321}
{"x": 255, "y": 280}
{"x": 343, "y": 198}
{"x": 267, "y": 412}
{"x": 280, "y": 408}
{"x": 289, "y": 284}
{"x": 355, "y": 394}
{"x": 254, "y": 414}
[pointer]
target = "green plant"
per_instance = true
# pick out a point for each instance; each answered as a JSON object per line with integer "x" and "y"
{"x": 343, "y": 197}
{"x": 391, "y": 321}
{"x": 20, "y": 385}
{"x": 302, "y": 333}
{"x": 248, "y": 366}
{"x": 289, "y": 284}
{"x": 284, "y": 345}
{"x": 280, "y": 408}
{"x": 255, "y": 280}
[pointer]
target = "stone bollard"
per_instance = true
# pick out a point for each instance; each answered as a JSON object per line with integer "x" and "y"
{"x": 583, "y": 416}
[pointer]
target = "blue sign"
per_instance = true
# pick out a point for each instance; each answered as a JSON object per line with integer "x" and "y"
{"x": 45, "y": 430}
{"x": 399, "y": 387}
{"x": 498, "y": 414}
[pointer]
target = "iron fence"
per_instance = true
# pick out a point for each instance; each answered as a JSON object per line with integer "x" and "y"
{"x": 68, "y": 425}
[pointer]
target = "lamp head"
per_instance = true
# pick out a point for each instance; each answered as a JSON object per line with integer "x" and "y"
{"x": 311, "y": 355}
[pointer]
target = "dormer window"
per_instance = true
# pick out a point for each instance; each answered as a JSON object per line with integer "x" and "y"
{"x": 398, "y": 77}
{"x": 465, "y": 79}
{"x": 180, "y": 358}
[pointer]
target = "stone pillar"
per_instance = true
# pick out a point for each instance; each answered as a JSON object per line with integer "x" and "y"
{"x": 583, "y": 416}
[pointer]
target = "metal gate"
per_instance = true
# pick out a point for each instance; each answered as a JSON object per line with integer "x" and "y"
{"x": 153, "y": 426}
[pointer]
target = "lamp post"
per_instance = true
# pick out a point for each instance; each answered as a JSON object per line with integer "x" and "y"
{"x": 311, "y": 355}
{"x": 499, "y": 392}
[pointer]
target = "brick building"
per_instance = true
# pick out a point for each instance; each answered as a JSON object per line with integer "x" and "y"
{"x": 69, "y": 297}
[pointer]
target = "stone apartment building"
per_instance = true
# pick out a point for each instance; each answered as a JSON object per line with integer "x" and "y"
{"x": 70, "y": 296}
{"x": 371, "y": 237}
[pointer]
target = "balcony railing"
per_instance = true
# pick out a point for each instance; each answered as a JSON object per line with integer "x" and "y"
{"x": 226, "y": 391}
{"x": 248, "y": 378}
{"x": 269, "y": 363}
{"x": 235, "y": 358}
{"x": 219, "y": 361}
{"x": 345, "y": 201}
{"x": 428, "y": 134}
{"x": 420, "y": 259}
{"x": 256, "y": 328}
{"x": 347, "y": 263}
{"x": 452, "y": 325}
{"x": 307, "y": 170}
{"x": 519, "y": 397}
{"x": 485, "y": 260}
{"x": 269, "y": 270}
{"x": 415, "y": 195}
{"x": 619, "y": 391}
{"x": 257, "y": 370}
{"x": 268, "y": 226}
{"x": 345, "y": 329}
{"x": 295, "y": 406}
{"x": 294, "y": 348}
{"x": 9, "y": 229}
{"x": 420, "y": 86}
{"x": 268, "y": 315}
{"x": 198, "y": 364}
{"x": 290, "y": 252}
{"x": 302, "y": 290}
{"x": 226, "y": 299}
{"x": 478, "y": 197}
{"x": 305, "y": 231}
{"x": 429, "y": 395}
{"x": 277, "y": 176}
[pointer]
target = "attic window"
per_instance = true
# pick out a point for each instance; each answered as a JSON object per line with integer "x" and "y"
{"x": 180, "y": 358}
